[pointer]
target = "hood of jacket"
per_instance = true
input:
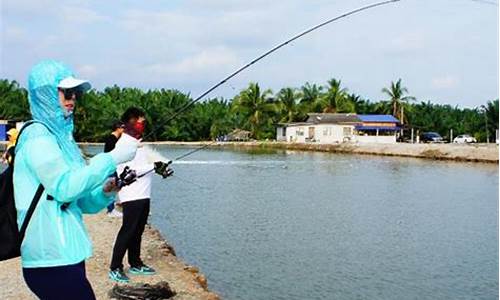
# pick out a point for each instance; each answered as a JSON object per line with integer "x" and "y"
{"x": 46, "y": 108}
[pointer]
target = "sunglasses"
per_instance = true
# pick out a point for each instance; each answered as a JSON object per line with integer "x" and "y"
{"x": 68, "y": 93}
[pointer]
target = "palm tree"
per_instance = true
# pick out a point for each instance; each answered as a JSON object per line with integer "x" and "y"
{"x": 398, "y": 101}
{"x": 360, "y": 105}
{"x": 490, "y": 111}
{"x": 254, "y": 104}
{"x": 310, "y": 93}
{"x": 335, "y": 99}
{"x": 287, "y": 98}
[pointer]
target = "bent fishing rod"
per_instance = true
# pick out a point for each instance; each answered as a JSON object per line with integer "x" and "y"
{"x": 275, "y": 48}
{"x": 128, "y": 176}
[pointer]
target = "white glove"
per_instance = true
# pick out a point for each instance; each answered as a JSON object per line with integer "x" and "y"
{"x": 124, "y": 151}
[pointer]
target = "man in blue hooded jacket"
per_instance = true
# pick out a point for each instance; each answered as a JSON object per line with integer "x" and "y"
{"x": 56, "y": 243}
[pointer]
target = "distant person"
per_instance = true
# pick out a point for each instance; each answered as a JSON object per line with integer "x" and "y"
{"x": 135, "y": 201}
{"x": 109, "y": 144}
{"x": 56, "y": 244}
{"x": 9, "y": 150}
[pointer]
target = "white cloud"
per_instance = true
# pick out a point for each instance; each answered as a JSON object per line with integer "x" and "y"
{"x": 445, "y": 82}
{"x": 29, "y": 7}
{"x": 408, "y": 42}
{"x": 14, "y": 34}
{"x": 207, "y": 60}
{"x": 80, "y": 15}
{"x": 185, "y": 44}
{"x": 203, "y": 62}
{"x": 86, "y": 71}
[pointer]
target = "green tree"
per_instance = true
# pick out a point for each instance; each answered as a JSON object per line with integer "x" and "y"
{"x": 255, "y": 106}
{"x": 252, "y": 109}
{"x": 13, "y": 101}
{"x": 287, "y": 101}
{"x": 490, "y": 113}
{"x": 310, "y": 93}
{"x": 335, "y": 99}
{"x": 398, "y": 99}
{"x": 361, "y": 106}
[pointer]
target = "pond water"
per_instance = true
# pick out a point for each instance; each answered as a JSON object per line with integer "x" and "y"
{"x": 305, "y": 225}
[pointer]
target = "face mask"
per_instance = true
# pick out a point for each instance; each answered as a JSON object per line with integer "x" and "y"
{"x": 137, "y": 129}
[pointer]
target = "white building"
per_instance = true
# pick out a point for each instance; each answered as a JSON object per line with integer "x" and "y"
{"x": 319, "y": 128}
{"x": 340, "y": 128}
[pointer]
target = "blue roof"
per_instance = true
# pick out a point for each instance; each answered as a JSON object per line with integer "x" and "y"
{"x": 378, "y": 118}
{"x": 380, "y": 128}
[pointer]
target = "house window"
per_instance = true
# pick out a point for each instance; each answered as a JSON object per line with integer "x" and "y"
{"x": 283, "y": 131}
{"x": 325, "y": 131}
{"x": 347, "y": 131}
{"x": 300, "y": 132}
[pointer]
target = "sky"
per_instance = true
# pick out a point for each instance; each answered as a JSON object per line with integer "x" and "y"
{"x": 445, "y": 51}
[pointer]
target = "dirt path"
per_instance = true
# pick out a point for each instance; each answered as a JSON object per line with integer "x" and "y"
{"x": 185, "y": 280}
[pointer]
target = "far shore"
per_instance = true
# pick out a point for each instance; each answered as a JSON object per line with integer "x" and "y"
{"x": 481, "y": 152}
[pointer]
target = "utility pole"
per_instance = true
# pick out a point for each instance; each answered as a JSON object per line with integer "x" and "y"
{"x": 402, "y": 121}
{"x": 402, "y": 115}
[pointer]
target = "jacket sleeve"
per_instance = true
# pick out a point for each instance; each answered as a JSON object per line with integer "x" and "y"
{"x": 96, "y": 200}
{"x": 139, "y": 164}
{"x": 64, "y": 183}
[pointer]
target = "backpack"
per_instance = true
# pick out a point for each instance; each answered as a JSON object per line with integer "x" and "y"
{"x": 10, "y": 235}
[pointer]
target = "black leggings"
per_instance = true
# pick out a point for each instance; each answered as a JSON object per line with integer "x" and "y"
{"x": 135, "y": 217}
{"x": 62, "y": 282}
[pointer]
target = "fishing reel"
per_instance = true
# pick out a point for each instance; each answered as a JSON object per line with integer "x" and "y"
{"x": 127, "y": 177}
{"x": 162, "y": 169}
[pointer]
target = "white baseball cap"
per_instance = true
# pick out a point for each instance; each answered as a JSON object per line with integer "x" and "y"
{"x": 72, "y": 82}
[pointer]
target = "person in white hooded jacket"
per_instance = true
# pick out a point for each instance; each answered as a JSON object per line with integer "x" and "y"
{"x": 135, "y": 200}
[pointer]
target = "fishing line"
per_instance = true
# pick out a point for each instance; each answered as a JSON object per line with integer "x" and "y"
{"x": 178, "y": 177}
{"x": 275, "y": 48}
{"x": 179, "y": 157}
{"x": 193, "y": 183}
{"x": 175, "y": 159}
{"x": 195, "y": 150}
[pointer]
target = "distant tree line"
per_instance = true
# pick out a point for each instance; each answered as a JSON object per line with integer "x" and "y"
{"x": 254, "y": 109}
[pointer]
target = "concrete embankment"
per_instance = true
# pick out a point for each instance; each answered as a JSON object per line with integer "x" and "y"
{"x": 458, "y": 152}
{"x": 186, "y": 281}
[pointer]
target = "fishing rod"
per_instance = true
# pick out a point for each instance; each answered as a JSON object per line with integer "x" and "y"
{"x": 129, "y": 176}
{"x": 275, "y": 48}
{"x": 165, "y": 172}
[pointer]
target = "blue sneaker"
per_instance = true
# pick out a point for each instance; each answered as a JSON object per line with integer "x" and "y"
{"x": 118, "y": 275}
{"x": 142, "y": 270}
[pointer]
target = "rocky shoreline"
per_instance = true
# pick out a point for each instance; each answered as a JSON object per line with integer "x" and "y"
{"x": 186, "y": 281}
